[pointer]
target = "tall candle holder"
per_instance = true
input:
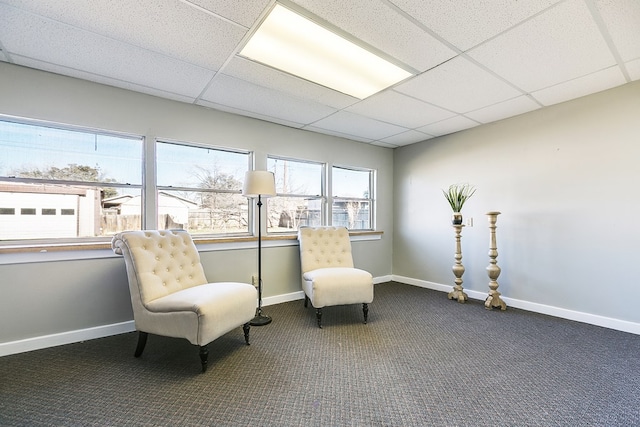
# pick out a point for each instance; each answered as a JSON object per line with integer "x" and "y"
{"x": 458, "y": 269}
{"x": 493, "y": 300}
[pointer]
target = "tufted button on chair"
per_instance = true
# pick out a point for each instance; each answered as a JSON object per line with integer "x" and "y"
{"x": 171, "y": 296}
{"x": 328, "y": 274}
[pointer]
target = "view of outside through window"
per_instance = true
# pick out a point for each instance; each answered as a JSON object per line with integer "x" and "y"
{"x": 299, "y": 202}
{"x": 199, "y": 189}
{"x": 62, "y": 183}
{"x": 352, "y": 200}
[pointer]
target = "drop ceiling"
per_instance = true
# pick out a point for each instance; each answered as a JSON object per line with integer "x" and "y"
{"x": 477, "y": 61}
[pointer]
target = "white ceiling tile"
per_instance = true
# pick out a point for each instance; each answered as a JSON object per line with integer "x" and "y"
{"x": 458, "y": 85}
{"x": 245, "y": 113}
{"x": 466, "y": 23}
{"x": 159, "y": 92}
{"x": 622, "y": 19}
{"x": 394, "y": 107}
{"x": 170, "y": 27}
{"x": 381, "y": 26}
{"x": 91, "y": 53}
{"x": 246, "y": 96}
{"x": 354, "y": 124}
{"x": 244, "y": 12}
{"x": 451, "y": 125}
{"x": 596, "y": 82}
{"x": 633, "y": 67}
{"x": 406, "y": 138}
{"x": 559, "y": 45}
{"x": 274, "y": 79}
{"x": 502, "y": 110}
{"x": 336, "y": 133}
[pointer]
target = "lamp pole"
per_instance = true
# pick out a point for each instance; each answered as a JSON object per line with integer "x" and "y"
{"x": 260, "y": 319}
{"x": 259, "y": 183}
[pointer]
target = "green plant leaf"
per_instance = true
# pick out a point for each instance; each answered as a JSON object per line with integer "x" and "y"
{"x": 458, "y": 194}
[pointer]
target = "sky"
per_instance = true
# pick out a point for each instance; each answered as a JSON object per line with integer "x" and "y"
{"x": 27, "y": 147}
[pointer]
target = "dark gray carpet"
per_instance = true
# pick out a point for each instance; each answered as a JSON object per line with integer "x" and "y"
{"x": 422, "y": 360}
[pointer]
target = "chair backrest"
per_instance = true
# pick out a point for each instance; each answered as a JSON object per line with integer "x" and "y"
{"x": 324, "y": 247}
{"x": 159, "y": 262}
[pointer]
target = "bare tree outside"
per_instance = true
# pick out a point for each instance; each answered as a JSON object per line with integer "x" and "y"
{"x": 353, "y": 210}
{"x": 292, "y": 207}
{"x": 222, "y": 206}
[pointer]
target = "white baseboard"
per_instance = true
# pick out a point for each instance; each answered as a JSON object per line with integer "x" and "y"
{"x": 592, "y": 319}
{"x": 278, "y": 299}
{"x": 37, "y": 343}
{"x": 382, "y": 279}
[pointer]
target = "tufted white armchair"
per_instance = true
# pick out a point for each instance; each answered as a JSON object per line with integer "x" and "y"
{"x": 171, "y": 296}
{"x": 328, "y": 273}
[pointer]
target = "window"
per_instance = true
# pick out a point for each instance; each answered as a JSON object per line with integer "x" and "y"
{"x": 199, "y": 189}
{"x": 90, "y": 176}
{"x": 352, "y": 204}
{"x": 299, "y": 200}
{"x": 61, "y": 183}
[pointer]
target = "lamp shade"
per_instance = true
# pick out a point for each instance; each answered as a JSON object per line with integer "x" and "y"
{"x": 259, "y": 183}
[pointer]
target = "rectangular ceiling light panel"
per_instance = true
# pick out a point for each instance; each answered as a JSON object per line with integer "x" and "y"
{"x": 290, "y": 42}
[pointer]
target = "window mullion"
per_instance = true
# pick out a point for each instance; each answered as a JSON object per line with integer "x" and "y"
{"x": 327, "y": 182}
{"x": 149, "y": 179}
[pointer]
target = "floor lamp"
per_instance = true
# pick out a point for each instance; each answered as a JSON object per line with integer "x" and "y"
{"x": 260, "y": 184}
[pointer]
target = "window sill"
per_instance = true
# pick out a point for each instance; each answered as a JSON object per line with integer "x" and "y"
{"x": 19, "y": 254}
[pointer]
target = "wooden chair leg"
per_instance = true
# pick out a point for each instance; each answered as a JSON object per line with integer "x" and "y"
{"x": 365, "y": 310}
{"x": 246, "y": 328}
{"x": 204, "y": 354}
{"x": 142, "y": 341}
{"x": 306, "y": 301}
{"x": 319, "y": 317}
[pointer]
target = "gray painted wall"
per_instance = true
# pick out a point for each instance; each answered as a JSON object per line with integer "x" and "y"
{"x": 566, "y": 181}
{"x": 564, "y": 177}
{"x": 44, "y": 294}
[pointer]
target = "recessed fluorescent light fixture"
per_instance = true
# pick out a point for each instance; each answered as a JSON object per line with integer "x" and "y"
{"x": 292, "y": 43}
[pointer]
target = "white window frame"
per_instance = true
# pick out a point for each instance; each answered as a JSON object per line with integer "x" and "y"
{"x": 322, "y": 197}
{"x": 70, "y": 183}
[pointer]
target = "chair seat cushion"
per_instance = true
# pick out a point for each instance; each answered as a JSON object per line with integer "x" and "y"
{"x": 337, "y": 286}
{"x": 217, "y": 307}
